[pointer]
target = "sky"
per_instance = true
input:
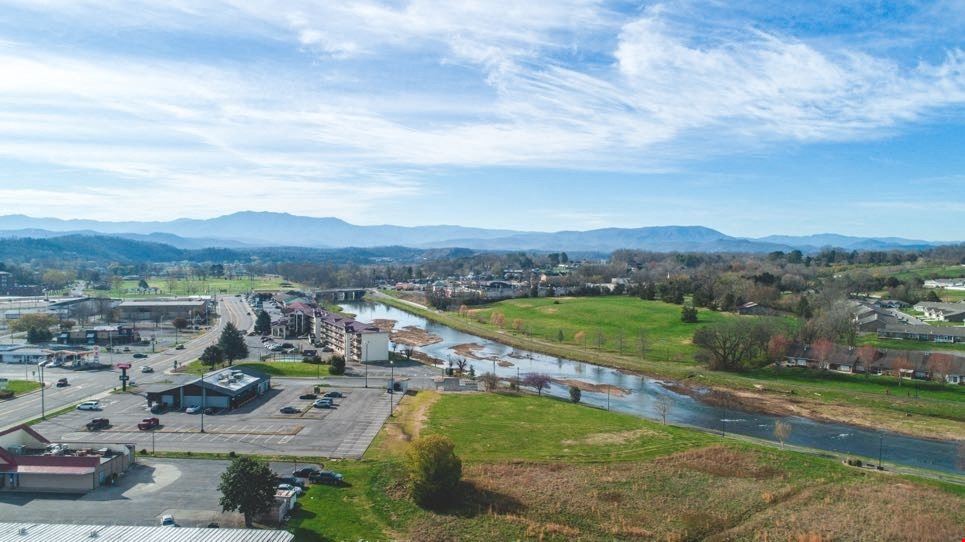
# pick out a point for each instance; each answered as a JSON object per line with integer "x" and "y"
{"x": 771, "y": 117}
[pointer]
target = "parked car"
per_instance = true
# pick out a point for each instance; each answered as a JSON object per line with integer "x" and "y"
{"x": 323, "y": 403}
{"x": 127, "y": 348}
{"x": 62, "y": 382}
{"x": 291, "y": 480}
{"x": 210, "y": 411}
{"x": 289, "y": 487}
{"x": 179, "y": 347}
{"x": 334, "y": 395}
{"x": 310, "y": 396}
{"x": 140, "y": 355}
{"x": 168, "y": 521}
{"x": 289, "y": 410}
{"x": 193, "y": 409}
{"x": 147, "y": 369}
{"x": 90, "y": 405}
{"x": 148, "y": 423}
{"x": 98, "y": 423}
{"x": 158, "y": 408}
{"x": 306, "y": 472}
{"x": 327, "y": 477}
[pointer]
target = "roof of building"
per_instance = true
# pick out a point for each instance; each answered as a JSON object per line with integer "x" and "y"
{"x": 350, "y": 325}
{"x": 164, "y": 303}
{"x": 931, "y": 331}
{"x": 49, "y": 532}
{"x": 55, "y": 469}
{"x": 230, "y": 381}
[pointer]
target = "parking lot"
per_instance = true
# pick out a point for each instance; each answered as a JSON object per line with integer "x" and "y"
{"x": 184, "y": 488}
{"x": 257, "y": 427}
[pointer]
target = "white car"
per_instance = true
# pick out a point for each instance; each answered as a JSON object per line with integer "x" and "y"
{"x": 90, "y": 405}
{"x": 288, "y": 487}
{"x": 193, "y": 409}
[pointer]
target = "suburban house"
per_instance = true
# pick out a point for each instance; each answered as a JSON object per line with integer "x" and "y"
{"x": 911, "y": 364}
{"x": 936, "y": 334}
{"x": 951, "y": 284}
{"x": 943, "y": 312}
{"x": 227, "y": 388}
{"x": 30, "y": 462}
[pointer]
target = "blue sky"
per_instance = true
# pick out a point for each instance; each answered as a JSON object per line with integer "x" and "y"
{"x": 772, "y": 117}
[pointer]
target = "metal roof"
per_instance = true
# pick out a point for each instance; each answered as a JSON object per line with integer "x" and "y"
{"x": 48, "y": 532}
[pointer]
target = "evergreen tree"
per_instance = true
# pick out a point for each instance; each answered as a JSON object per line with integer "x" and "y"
{"x": 212, "y": 355}
{"x": 232, "y": 343}
{"x": 263, "y": 323}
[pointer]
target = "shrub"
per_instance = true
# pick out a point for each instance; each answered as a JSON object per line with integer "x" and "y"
{"x": 434, "y": 470}
{"x": 338, "y": 365}
{"x": 575, "y": 394}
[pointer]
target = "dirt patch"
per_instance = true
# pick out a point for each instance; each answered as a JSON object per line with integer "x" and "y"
{"x": 589, "y": 386}
{"x": 471, "y": 351}
{"x": 384, "y": 325}
{"x": 619, "y": 437}
{"x": 720, "y": 461}
{"x": 414, "y": 336}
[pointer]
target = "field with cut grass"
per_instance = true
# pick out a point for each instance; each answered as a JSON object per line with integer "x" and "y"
{"x": 22, "y": 386}
{"x": 128, "y": 289}
{"x": 537, "y": 468}
{"x": 602, "y": 323}
{"x": 293, "y": 369}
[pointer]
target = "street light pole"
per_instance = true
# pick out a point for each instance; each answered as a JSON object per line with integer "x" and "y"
{"x": 391, "y": 386}
{"x": 204, "y": 399}
{"x": 43, "y": 406}
{"x": 365, "y": 355}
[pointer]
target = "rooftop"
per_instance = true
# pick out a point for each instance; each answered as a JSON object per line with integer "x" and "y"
{"x": 47, "y": 532}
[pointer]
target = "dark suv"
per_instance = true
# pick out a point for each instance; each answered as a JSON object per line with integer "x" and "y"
{"x": 98, "y": 423}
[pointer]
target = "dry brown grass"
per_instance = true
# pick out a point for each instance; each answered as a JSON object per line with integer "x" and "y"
{"x": 619, "y": 437}
{"x": 721, "y": 461}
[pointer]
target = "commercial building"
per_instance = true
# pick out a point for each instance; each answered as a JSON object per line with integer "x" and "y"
{"x": 51, "y": 532}
{"x": 100, "y": 335}
{"x": 21, "y": 354}
{"x": 226, "y": 388}
{"x": 357, "y": 341}
{"x": 30, "y": 462}
{"x": 194, "y": 310}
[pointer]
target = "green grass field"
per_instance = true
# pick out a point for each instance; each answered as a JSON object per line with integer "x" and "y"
{"x": 22, "y": 386}
{"x": 182, "y": 287}
{"x": 292, "y": 369}
{"x": 537, "y": 468}
{"x": 602, "y": 322}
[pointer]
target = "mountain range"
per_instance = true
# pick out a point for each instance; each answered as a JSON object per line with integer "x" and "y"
{"x": 250, "y": 229}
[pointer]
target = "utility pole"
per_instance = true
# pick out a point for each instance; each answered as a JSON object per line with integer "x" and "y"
{"x": 391, "y": 386}
{"x": 365, "y": 355}
{"x": 204, "y": 399}
{"x": 43, "y": 406}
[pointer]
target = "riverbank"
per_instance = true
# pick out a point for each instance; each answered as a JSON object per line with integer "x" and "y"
{"x": 876, "y": 403}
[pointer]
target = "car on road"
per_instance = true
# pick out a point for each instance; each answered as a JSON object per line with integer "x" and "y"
{"x": 168, "y": 521}
{"x": 290, "y": 487}
{"x": 148, "y": 423}
{"x": 310, "y": 396}
{"x": 323, "y": 403}
{"x": 327, "y": 477}
{"x": 193, "y": 409}
{"x": 306, "y": 472}
{"x": 179, "y": 347}
{"x": 139, "y": 355}
{"x": 98, "y": 423}
{"x": 62, "y": 382}
{"x": 289, "y": 410}
{"x": 147, "y": 369}
{"x": 90, "y": 405}
{"x": 334, "y": 395}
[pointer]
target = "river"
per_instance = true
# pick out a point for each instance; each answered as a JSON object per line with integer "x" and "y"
{"x": 641, "y": 395}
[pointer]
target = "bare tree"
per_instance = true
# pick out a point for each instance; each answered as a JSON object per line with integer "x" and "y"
{"x": 490, "y": 381}
{"x": 782, "y": 430}
{"x": 822, "y": 350}
{"x": 902, "y": 364}
{"x": 538, "y": 381}
{"x": 408, "y": 351}
{"x": 868, "y": 354}
{"x": 663, "y": 406}
{"x": 461, "y": 364}
{"x": 939, "y": 364}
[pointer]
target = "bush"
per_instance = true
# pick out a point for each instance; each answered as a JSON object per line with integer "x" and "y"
{"x": 575, "y": 394}
{"x": 232, "y": 454}
{"x": 434, "y": 470}
{"x": 338, "y": 365}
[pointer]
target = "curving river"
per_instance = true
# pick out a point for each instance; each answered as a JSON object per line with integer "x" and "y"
{"x": 641, "y": 394}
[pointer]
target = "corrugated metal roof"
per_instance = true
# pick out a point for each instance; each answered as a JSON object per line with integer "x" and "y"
{"x": 49, "y": 532}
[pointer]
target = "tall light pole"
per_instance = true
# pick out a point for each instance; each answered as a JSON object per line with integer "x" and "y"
{"x": 365, "y": 355}
{"x": 391, "y": 386}
{"x": 43, "y": 407}
{"x": 204, "y": 399}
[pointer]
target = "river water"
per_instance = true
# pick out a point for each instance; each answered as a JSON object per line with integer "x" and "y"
{"x": 641, "y": 395}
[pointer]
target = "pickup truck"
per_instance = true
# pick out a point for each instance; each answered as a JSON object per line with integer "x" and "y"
{"x": 98, "y": 423}
{"x": 148, "y": 423}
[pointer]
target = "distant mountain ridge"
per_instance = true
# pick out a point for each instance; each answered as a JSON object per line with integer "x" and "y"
{"x": 267, "y": 229}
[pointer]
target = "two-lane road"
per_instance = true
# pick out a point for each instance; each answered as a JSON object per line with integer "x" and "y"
{"x": 87, "y": 384}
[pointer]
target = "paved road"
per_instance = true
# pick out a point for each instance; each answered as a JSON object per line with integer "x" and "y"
{"x": 91, "y": 384}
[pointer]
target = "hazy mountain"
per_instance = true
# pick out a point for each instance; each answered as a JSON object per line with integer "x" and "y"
{"x": 247, "y": 229}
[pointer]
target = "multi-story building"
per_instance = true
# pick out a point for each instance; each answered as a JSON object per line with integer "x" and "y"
{"x": 101, "y": 335}
{"x": 357, "y": 341}
{"x": 6, "y": 281}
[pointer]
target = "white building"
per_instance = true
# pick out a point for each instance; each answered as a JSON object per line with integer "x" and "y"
{"x": 357, "y": 341}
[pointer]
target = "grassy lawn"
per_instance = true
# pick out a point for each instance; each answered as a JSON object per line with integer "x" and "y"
{"x": 182, "y": 287}
{"x": 537, "y": 468}
{"x": 22, "y": 386}
{"x": 603, "y": 320}
{"x": 874, "y": 402}
{"x": 293, "y": 369}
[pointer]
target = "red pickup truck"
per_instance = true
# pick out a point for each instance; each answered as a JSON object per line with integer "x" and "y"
{"x": 148, "y": 423}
